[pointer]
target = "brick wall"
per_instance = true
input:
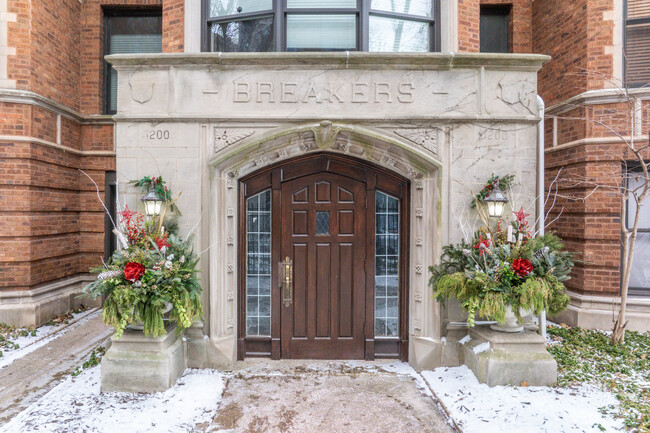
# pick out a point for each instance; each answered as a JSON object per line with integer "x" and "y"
{"x": 51, "y": 222}
{"x": 469, "y": 39}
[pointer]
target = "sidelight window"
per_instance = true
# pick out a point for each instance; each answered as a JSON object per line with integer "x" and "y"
{"x": 258, "y": 264}
{"x": 318, "y": 25}
{"x": 387, "y": 255}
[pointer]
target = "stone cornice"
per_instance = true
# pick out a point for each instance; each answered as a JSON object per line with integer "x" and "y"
{"x": 593, "y": 97}
{"x": 334, "y": 60}
{"x": 30, "y": 98}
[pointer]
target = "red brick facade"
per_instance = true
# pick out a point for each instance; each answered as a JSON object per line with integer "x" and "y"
{"x": 51, "y": 223}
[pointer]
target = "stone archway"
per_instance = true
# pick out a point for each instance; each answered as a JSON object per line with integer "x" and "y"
{"x": 409, "y": 153}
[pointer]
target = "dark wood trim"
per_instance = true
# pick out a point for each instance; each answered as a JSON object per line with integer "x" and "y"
{"x": 375, "y": 178}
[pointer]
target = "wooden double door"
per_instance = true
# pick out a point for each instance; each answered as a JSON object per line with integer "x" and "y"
{"x": 308, "y": 262}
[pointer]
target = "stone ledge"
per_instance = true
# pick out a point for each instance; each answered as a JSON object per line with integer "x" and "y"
{"x": 341, "y": 60}
{"x": 36, "y": 306}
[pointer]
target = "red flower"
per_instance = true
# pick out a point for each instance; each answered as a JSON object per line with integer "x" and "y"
{"x": 483, "y": 244}
{"x": 162, "y": 242}
{"x": 522, "y": 267}
{"x": 133, "y": 271}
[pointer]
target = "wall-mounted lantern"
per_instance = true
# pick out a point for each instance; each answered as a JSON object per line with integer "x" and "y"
{"x": 496, "y": 202}
{"x": 152, "y": 203}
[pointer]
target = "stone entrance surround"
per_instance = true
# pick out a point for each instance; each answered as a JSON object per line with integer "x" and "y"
{"x": 445, "y": 121}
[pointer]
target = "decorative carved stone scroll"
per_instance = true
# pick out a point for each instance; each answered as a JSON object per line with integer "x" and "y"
{"x": 425, "y": 137}
{"x": 226, "y": 137}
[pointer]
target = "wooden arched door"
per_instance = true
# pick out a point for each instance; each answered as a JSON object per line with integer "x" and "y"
{"x": 322, "y": 261}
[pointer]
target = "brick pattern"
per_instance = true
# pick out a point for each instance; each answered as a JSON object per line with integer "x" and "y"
{"x": 469, "y": 38}
{"x": 173, "y": 26}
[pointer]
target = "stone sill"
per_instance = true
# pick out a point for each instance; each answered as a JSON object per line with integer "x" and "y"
{"x": 336, "y": 60}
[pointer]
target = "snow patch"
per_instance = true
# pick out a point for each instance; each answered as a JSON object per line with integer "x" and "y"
{"x": 29, "y": 343}
{"x": 483, "y": 347}
{"x": 465, "y": 339}
{"x": 76, "y": 405}
{"x": 477, "y": 408}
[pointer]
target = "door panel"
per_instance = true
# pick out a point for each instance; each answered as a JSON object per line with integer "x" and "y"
{"x": 326, "y": 242}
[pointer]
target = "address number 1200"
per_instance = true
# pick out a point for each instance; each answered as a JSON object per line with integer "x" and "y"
{"x": 157, "y": 134}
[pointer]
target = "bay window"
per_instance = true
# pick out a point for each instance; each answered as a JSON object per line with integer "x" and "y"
{"x": 317, "y": 25}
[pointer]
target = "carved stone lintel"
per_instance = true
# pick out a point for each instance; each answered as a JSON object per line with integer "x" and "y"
{"x": 226, "y": 137}
{"x": 425, "y": 137}
{"x": 325, "y": 134}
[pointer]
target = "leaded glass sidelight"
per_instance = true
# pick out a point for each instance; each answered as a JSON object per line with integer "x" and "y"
{"x": 387, "y": 252}
{"x": 258, "y": 264}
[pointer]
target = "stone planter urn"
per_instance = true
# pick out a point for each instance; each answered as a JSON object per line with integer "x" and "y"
{"x": 511, "y": 324}
{"x": 139, "y": 326}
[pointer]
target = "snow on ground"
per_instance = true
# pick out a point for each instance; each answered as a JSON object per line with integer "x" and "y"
{"x": 477, "y": 408}
{"x": 43, "y": 336}
{"x": 76, "y": 405}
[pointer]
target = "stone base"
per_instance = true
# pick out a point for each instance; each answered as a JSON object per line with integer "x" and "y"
{"x": 36, "y": 306}
{"x": 596, "y": 312}
{"x": 512, "y": 358}
{"x": 136, "y": 363}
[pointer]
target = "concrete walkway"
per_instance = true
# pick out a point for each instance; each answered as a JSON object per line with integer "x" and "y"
{"x": 327, "y": 397}
{"x": 30, "y": 377}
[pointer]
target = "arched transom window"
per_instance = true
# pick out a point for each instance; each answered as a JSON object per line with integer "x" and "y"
{"x": 320, "y": 25}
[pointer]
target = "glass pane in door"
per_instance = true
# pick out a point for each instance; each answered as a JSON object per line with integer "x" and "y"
{"x": 387, "y": 253}
{"x": 258, "y": 264}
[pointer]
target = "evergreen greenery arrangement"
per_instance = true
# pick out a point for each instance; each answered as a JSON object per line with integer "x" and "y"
{"x": 153, "y": 270}
{"x": 504, "y": 268}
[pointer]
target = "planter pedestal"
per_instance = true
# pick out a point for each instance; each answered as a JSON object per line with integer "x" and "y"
{"x": 510, "y": 359}
{"x": 136, "y": 363}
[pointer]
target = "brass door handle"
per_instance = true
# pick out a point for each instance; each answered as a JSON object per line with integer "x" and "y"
{"x": 285, "y": 280}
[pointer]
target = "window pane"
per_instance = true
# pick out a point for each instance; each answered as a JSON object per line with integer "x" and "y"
{"x": 635, "y": 182}
{"x": 637, "y": 52}
{"x": 412, "y": 7}
{"x": 220, "y": 8}
{"x": 320, "y": 4}
{"x": 321, "y": 32}
{"x": 386, "y": 266}
{"x": 495, "y": 30}
{"x": 395, "y": 35}
{"x": 243, "y": 36}
{"x": 258, "y": 268}
{"x": 130, "y": 35}
{"x": 640, "y": 277}
{"x": 638, "y": 9}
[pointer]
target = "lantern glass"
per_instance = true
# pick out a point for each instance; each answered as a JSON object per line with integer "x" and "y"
{"x": 496, "y": 203}
{"x": 152, "y": 203}
{"x": 152, "y": 207}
